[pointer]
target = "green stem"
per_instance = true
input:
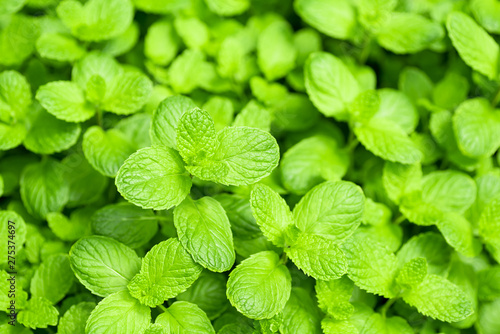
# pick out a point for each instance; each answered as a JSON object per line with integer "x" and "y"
{"x": 387, "y": 305}
{"x": 496, "y": 98}
{"x": 284, "y": 258}
{"x": 399, "y": 220}
{"x": 163, "y": 308}
{"x": 365, "y": 52}
{"x": 99, "y": 117}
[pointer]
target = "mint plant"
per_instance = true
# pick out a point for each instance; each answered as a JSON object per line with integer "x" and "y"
{"x": 249, "y": 167}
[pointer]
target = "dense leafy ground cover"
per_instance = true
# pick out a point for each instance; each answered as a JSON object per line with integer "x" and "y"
{"x": 237, "y": 166}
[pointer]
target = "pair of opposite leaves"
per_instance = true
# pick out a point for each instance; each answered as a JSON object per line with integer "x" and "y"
{"x": 159, "y": 177}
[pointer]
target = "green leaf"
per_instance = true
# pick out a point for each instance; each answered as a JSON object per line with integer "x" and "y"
{"x": 196, "y": 137}
{"x": 56, "y": 46}
{"x": 415, "y": 84}
{"x": 240, "y": 216}
{"x": 254, "y": 115}
{"x": 331, "y": 326}
{"x": 136, "y": 127}
{"x": 333, "y": 297}
{"x": 487, "y": 13}
{"x": 276, "y": 52}
{"x": 400, "y": 180}
{"x": 329, "y": 83}
{"x": 221, "y": 110}
{"x": 489, "y": 224}
{"x": 160, "y": 7}
{"x": 396, "y": 107}
{"x": 163, "y": 184}
{"x": 477, "y": 49}
{"x": 106, "y": 151}
{"x": 165, "y": 119}
{"x": 259, "y": 286}
{"x": 386, "y": 139}
{"x": 489, "y": 283}
{"x": 125, "y": 223}
{"x": 458, "y": 233}
{"x": 430, "y": 246}
{"x": 123, "y": 43}
{"x": 335, "y": 19}
{"x": 53, "y": 279}
{"x": 300, "y": 314}
{"x": 412, "y": 273}
{"x": 38, "y": 313}
{"x": 49, "y": 135}
{"x": 11, "y": 136}
{"x": 85, "y": 183}
{"x": 183, "y": 318}
{"x": 184, "y": 72}
{"x": 209, "y": 293}
{"x": 43, "y": 188}
{"x": 205, "y": 232}
{"x": 318, "y": 257}
{"x": 75, "y": 318}
{"x": 119, "y": 313}
{"x": 450, "y": 191}
{"x": 488, "y": 321}
{"x": 408, "y": 33}
{"x": 18, "y": 231}
{"x": 17, "y": 39}
{"x": 439, "y": 299}
{"x": 167, "y": 270}
{"x": 312, "y": 161}
{"x": 65, "y": 100}
{"x": 451, "y": 91}
{"x": 96, "y": 20}
{"x": 127, "y": 93}
{"x": 11, "y": 6}
{"x": 266, "y": 92}
{"x": 271, "y": 213}
{"x": 364, "y": 106}
{"x": 294, "y": 112}
{"x": 228, "y": 7}
{"x": 15, "y": 95}
{"x": 93, "y": 65}
{"x": 161, "y": 43}
{"x": 103, "y": 265}
{"x": 371, "y": 266}
{"x": 66, "y": 229}
{"x": 476, "y": 126}
{"x": 332, "y": 210}
{"x": 243, "y": 156}
{"x": 193, "y": 31}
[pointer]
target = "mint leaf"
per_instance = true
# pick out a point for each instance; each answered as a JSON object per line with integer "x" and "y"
{"x": 162, "y": 185}
{"x": 167, "y": 270}
{"x": 161, "y": 42}
{"x": 438, "y": 298}
{"x": 312, "y": 161}
{"x": 15, "y": 95}
{"x": 332, "y": 210}
{"x": 259, "y": 286}
{"x": 477, "y": 49}
{"x": 305, "y": 253}
{"x": 476, "y": 126}
{"x": 96, "y": 20}
{"x": 75, "y": 318}
{"x": 271, "y": 213}
{"x": 300, "y": 314}
{"x": 412, "y": 273}
{"x": 243, "y": 156}
{"x": 184, "y": 317}
{"x": 59, "y": 47}
{"x": 106, "y": 151}
{"x": 165, "y": 119}
{"x": 221, "y": 110}
{"x": 125, "y": 223}
{"x": 330, "y": 84}
{"x": 333, "y": 297}
{"x": 253, "y": 115}
{"x": 276, "y": 52}
{"x": 103, "y": 265}
{"x": 228, "y": 7}
{"x": 335, "y": 19}
{"x": 49, "y": 135}
{"x": 43, "y": 189}
{"x": 127, "y": 93}
{"x": 205, "y": 232}
{"x": 20, "y": 234}
{"x": 401, "y": 180}
{"x": 38, "y": 313}
{"x": 53, "y": 279}
{"x": 489, "y": 225}
{"x": 371, "y": 266}
{"x": 65, "y": 100}
{"x": 196, "y": 138}
{"x": 119, "y": 313}
{"x": 95, "y": 65}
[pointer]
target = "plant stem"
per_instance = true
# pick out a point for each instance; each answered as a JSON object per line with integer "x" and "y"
{"x": 99, "y": 117}
{"x": 365, "y": 52}
{"x": 496, "y": 98}
{"x": 399, "y": 220}
{"x": 387, "y": 305}
{"x": 284, "y": 258}
{"x": 163, "y": 308}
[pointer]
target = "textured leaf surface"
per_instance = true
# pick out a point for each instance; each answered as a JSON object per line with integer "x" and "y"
{"x": 103, "y": 265}
{"x": 167, "y": 270}
{"x": 260, "y": 286}
{"x": 38, "y": 313}
{"x": 184, "y": 317}
{"x": 205, "y": 232}
{"x": 75, "y": 319}
{"x": 154, "y": 178}
{"x": 53, "y": 279}
{"x": 119, "y": 313}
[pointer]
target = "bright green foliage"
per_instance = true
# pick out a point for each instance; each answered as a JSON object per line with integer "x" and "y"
{"x": 260, "y": 286}
{"x": 167, "y": 269}
{"x": 103, "y": 265}
{"x": 249, "y": 166}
